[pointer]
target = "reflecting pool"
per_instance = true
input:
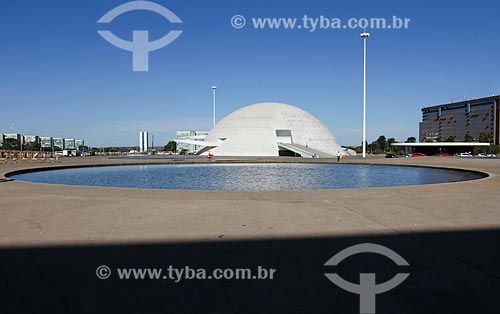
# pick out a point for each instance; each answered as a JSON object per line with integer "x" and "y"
{"x": 246, "y": 177}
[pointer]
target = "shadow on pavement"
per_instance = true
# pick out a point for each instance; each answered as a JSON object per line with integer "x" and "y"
{"x": 450, "y": 272}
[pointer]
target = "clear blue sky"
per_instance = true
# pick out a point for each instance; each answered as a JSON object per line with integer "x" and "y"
{"x": 59, "y": 77}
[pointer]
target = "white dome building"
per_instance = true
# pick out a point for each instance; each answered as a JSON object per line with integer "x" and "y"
{"x": 271, "y": 129}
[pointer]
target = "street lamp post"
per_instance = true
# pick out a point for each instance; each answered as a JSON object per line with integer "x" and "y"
{"x": 214, "y": 88}
{"x": 364, "y": 35}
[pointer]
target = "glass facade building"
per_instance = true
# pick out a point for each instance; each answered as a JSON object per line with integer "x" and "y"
{"x": 190, "y": 135}
{"x": 79, "y": 143}
{"x": 59, "y": 142}
{"x": 69, "y": 143}
{"x": 31, "y": 139}
{"x": 46, "y": 142}
{"x": 455, "y": 120}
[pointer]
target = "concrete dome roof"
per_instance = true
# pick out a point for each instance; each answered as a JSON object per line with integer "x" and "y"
{"x": 256, "y": 130}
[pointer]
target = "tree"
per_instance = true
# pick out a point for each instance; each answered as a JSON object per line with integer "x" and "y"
{"x": 450, "y": 139}
{"x": 111, "y": 149}
{"x": 10, "y": 144}
{"x": 33, "y": 146}
{"x": 485, "y": 137}
{"x": 374, "y": 148}
{"x": 391, "y": 141}
{"x": 468, "y": 138}
{"x": 411, "y": 139}
{"x": 381, "y": 141}
{"x": 170, "y": 147}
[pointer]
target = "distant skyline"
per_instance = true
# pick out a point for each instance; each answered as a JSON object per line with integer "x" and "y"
{"x": 60, "y": 78}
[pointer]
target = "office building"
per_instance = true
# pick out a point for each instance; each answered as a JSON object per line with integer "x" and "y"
{"x": 143, "y": 142}
{"x": 58, "y": 142}
{"x": 69, "y": 143}
{"x": 79, "y": 143}
{"x": 461, "y": 121}
{"x": 46, "y": 142}
{"x": 12, "y": 141}
{"x": 31, "y": 139}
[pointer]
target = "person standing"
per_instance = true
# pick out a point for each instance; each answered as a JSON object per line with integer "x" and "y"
{"x": 338, "y": 156}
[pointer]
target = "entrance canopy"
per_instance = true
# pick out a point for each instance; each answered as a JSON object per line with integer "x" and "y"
{"x": 433, "y": 148}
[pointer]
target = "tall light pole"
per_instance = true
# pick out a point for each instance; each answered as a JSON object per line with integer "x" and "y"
{"x": 364, "y": 35}
{"x": 214, "y": 88}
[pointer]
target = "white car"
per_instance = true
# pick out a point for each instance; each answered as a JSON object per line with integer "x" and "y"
{"x": 464, "y": 155}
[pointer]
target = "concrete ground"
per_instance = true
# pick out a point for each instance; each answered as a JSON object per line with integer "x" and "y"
{"x": 52, "y": 238}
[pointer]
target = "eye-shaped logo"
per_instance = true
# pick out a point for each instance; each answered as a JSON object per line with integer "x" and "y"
{"x": 140, "y": 44}
{"x": 367, "y": 288}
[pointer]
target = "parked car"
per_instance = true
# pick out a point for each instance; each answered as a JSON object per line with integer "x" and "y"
{"x": 418, "y": 155}
{"x": 463, "y": 154}
{"x": 390, "y": 156}
{"x": 491, "y": 155}
{"x": 402, "y": 155}
{"x": 445, "y": 155}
